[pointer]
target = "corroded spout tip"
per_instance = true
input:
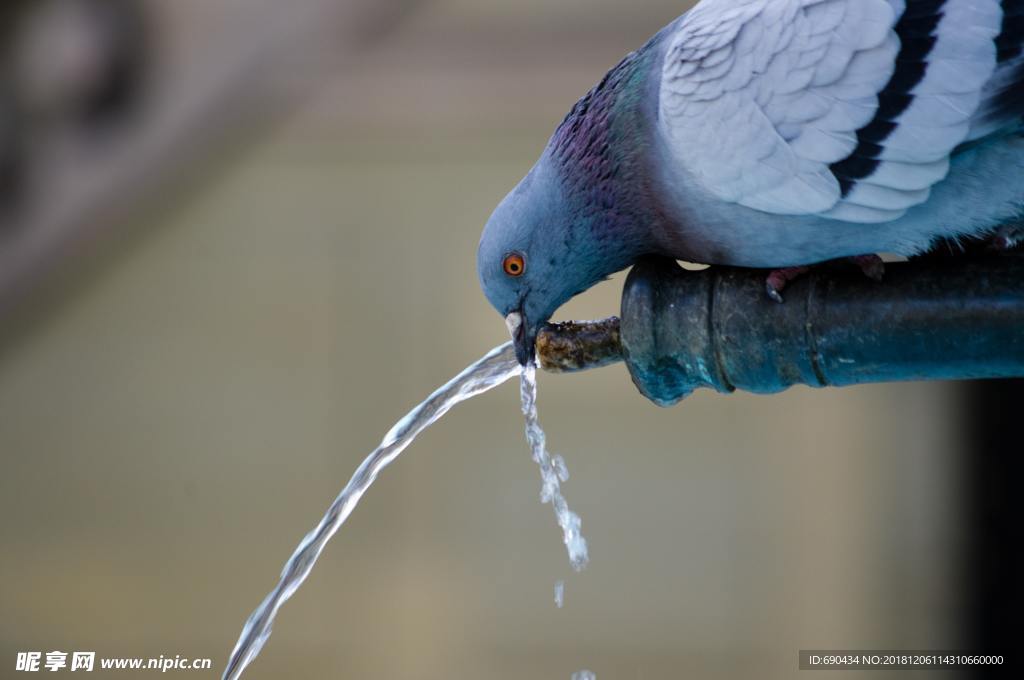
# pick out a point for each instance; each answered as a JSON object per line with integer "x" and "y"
{"x": 572, "y": 346}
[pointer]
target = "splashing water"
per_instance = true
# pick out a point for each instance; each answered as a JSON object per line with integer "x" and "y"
{"x": 552, "y": 471}
{"x": 584, "y": 675}
{"x": 559, "y": 593}
{"x": 492, "y": 370}
{"x": 498, "y": 366}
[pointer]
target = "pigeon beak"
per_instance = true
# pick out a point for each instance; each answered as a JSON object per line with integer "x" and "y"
{"x": 521, "y": 337}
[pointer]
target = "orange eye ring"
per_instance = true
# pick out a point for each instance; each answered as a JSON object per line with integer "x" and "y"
{"x": 514, "y": 264}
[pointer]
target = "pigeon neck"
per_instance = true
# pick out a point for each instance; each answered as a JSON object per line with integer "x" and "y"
{"x": 598, "y": 153}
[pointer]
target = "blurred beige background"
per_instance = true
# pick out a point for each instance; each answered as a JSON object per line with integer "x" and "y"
{"x": 177, "y": 412}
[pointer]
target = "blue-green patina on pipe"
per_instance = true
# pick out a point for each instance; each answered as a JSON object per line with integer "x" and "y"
{"x": 930, "y": 319}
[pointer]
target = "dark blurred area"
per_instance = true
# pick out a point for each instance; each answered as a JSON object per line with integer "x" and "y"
{"x": 992, "y": 466}
{"x": 237, "y": 242}
{"x": 67, "y": 64}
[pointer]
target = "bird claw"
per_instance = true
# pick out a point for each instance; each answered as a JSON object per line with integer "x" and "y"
{"x": 872, "y": 267}
{"x": 1006, "y": 237}
{"x": 777, "y": 280}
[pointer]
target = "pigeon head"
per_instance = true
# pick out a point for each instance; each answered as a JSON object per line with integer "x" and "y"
{"x": 533, "y": 257}
{"x": 582, "y": 213}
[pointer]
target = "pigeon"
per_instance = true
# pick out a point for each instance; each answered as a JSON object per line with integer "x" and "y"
{"x": 772, "y": 134}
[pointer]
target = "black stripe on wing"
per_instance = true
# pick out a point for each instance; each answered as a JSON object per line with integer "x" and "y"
{"x": 916, "y": 29}
{"x": 1010, "y": 43}
{"x": 1009, "y": 103}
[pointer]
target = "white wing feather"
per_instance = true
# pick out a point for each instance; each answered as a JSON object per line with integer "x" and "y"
{"x": 759, "y": 97}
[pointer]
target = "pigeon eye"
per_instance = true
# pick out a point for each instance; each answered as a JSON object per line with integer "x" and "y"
{"x": 514, "y": 264}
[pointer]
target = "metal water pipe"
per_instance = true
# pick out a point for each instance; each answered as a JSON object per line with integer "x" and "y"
{"x": 947, "y": 318}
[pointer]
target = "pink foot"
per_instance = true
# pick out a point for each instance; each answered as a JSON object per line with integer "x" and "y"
{"x": 778, "y": 278}
{"x": 871, "y": 265}
{"x": 1006, "y": 237}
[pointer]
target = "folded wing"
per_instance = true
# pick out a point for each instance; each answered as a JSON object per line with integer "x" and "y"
{"x": 848, "y": 109}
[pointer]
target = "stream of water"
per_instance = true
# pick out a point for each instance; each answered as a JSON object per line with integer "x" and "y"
{"x": 498, "y": 366}
{"x": 552, "y": 472}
